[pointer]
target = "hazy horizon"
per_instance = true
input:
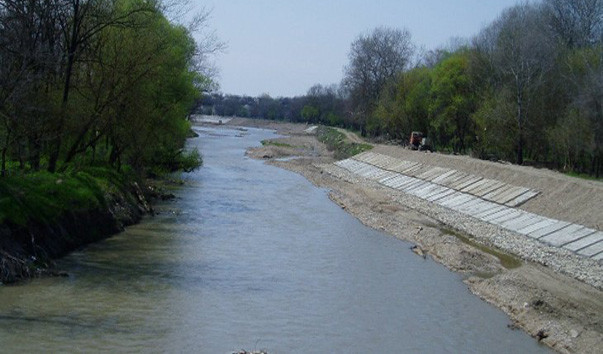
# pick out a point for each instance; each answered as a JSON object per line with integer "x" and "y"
{"x": 283, "y": 48}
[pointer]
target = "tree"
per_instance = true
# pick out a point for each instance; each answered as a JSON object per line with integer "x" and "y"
{"x": 576, "y": 23}
{"x": 375, "y": 58}
{"x": 76, "y": 73}
{"x": 29, "y": 54}
{"x": 520, "y": 53}
{"x": 453, "y": 101}
{"x": 404, "y": 104}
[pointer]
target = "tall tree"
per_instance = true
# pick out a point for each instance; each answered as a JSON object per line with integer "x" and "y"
{"x": 375, "y": 58}
{"x": 453, "y": 101}
{"x": 576, "y": 23}
{"x": 520, "y": 52}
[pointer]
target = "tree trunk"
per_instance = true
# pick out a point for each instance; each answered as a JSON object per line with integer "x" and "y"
{"x": 73, "y": 44}
{"x": 519, "y": 126}
{"x": 3, "y": 173}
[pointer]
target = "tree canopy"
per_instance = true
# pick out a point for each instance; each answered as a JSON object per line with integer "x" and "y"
{"x": 94, "y": 81}
{"x": 528, "y": 88}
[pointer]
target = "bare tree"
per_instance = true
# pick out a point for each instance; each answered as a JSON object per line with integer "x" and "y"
{"x": 375, "y": 58}
{"x": 576, "y": 23}
{"x": 520, "y": 54}
{"x": 29, "y": 53}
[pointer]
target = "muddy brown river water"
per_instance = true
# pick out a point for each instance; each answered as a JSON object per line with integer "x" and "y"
{"x": 251, "y": 256}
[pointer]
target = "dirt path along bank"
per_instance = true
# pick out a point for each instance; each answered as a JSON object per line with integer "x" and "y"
{"x": 541, "y": 296}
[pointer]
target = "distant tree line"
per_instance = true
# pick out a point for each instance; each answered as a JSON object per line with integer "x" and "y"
{"x": 94, "y": 82}
{"x": 528, "y": 89}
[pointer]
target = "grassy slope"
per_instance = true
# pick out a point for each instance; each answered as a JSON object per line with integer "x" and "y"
{"x": 45, "y": 215}
{"x": 336, "y": 141}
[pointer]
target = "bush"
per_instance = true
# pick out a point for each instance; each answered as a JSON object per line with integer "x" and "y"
{"x": 337, "y": 142}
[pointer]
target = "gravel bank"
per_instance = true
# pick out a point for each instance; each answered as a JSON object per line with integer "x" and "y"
{"x": 555, "y": 296}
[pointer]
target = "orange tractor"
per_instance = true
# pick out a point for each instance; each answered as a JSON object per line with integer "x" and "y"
{"x": 420, "y": 142}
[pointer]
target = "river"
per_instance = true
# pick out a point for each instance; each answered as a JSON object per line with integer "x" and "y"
{"x": 250, "y": 256}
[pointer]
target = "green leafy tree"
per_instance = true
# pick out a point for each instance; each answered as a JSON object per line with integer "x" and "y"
{"x": 453, "y": 102}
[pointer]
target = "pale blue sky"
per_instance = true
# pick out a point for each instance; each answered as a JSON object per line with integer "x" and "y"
{"x": 283, "y": 47}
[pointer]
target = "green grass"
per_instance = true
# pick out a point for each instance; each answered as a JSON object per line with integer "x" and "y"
{"x": 337, "y": 142}
{"x": 276, "y": 143}
{"x": 506, "y": 260}
{"x": 584, "y": 176}
{"x": 43, "y": 196}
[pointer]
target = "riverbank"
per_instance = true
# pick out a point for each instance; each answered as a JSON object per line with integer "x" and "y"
{"x": 541, "y": 296}
{"x": 45, "y": 216}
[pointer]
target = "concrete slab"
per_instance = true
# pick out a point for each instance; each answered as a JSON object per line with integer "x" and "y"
{"x": 458, "y": 176}
{"x": 433, "y": 189}
{"x": 479, "y": 205}
{"x": 522, "y": 221}
{"x": 415, "y": 172}
{"x": 563, "y": 236}
{"x": 498, "y": 214}
{"x": 454, "y": 184}
{"x": 421, "y": 184}
{"x": 466, "y": 182}
{"x": 473, "y": 186}
{"x": 442, "y": 189}
{"x": 392, "y": 178}
{"x": 403, "y": 166}
{"x": 556, "y": 226}
{"x": 423, "y": 192}
{"x": 408, "y": 169}
{"x": 537, "y": 226}
{"x": 454, "y": 202}
{"x": 365, "y": 156}
{"x": 394, "y": 167}
{"x": 390, "y": 182}
{"x": 406, "y": 182}
{"x": 507, "y": 194}
{"x": 439, "y": 199}
{"x": 379, "y": 162}
{"x": 522, "y": 198}
{"x": 528, "y": 220}
{"x": 355, "y": 164}
{"x": 484, "y": 213}
{"x": 585, "y": 241}
{"x": 434, "y": 184}
{"x": 482, "y": 186}
{"x": 446, "y": 176}
{"x": 366, "y": 171}
{"x": 370, "y": 172}
{"x": 402, "y": 181}
{"x": 388, "y": 176}
{"x": 432, "y": 173}
{"x": 592, "y": 250}
{"x": 461, "y": 204}
{"x": 497, "y": 192}
{"x": 444, "y": 194}
{"x": 492, "y": 188}
{"x": 351, "y": 168}
{"x": 381, "y": 174}
{"x": 512, "y": 214}
{"x": 344, "y": 162}
{"x": 413, "y": 182}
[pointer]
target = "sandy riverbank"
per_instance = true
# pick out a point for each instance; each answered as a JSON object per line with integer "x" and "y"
{"x": 559, "y": 302}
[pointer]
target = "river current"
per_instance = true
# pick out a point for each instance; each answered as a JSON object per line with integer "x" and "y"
{"x": 250, "y": 256}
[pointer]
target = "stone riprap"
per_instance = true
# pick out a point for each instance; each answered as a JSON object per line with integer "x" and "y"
{"x": 488, "y": 200}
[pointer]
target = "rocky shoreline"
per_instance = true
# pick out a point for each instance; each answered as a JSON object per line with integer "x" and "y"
{"x": 554, "y": 296}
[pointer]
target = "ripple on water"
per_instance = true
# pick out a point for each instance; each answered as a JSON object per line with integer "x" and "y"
{"x": 251, "y": 256}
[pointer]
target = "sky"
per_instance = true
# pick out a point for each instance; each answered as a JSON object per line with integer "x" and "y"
{"x": 283, "y": 47}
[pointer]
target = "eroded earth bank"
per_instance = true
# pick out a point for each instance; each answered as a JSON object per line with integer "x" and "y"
{"x": 552, "y": 294}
